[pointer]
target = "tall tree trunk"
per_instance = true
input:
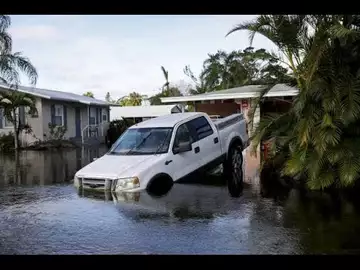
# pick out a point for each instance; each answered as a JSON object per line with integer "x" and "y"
{"x": 16, "y": 130}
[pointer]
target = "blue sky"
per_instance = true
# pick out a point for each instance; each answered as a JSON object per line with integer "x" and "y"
{"x": 122, "y": 53}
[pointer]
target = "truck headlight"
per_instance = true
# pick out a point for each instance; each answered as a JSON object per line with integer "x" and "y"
{"x": 77, "y": 182}
{"x": 130, "y": 182}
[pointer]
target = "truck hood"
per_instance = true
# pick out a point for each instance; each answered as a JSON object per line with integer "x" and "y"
{"x": 117, "y": 166}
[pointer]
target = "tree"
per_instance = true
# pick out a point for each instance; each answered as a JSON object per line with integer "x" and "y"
{"x": 166, "y": 76}
{"x": 12, "y": 103}
{"x": 172, "y": 91}
{"x": 166, "y": 90}
{"x": 224, "y": 70}
{"x": 318, "y": 139}
{"x": 89, "y": 94}
{"x": 11, "y": 66}
{"x": 133, "y": 99}
{"x": 108, "y": 98}
{"x": 200, "y": 87}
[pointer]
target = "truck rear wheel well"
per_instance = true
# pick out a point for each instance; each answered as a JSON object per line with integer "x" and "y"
{"x": 234, "y": 141}
{"x": 160, "y": 185}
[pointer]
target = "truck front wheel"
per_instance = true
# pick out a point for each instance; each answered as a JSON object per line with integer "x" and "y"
{"x": 159, "y": 185}
{"x": 233, "y": 170}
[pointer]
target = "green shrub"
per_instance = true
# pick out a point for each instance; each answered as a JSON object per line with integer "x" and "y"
{"x": 7, "y": 142}
{"x": 56, "y": 132}
{"x": 116, "y": 128}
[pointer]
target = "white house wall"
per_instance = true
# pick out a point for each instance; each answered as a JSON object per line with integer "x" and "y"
{"x": 70, "y": 116}
{"x": 34, "y": 122}
{"x": 40, "y": 123}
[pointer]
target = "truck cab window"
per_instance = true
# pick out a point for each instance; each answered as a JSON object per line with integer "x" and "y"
{"x": 182, "y": 135}
{"x": 201, "y": 127}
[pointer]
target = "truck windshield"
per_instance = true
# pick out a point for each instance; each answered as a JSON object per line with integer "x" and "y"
{"x": 142, "y": 141}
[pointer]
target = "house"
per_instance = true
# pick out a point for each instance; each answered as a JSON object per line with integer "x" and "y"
{"x": 141, "y": 113}
{"x": 86, "y": 119}
{"x": 239, "y": 99}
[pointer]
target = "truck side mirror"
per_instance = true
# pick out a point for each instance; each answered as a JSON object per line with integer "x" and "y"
{"x": 182, "y": 147}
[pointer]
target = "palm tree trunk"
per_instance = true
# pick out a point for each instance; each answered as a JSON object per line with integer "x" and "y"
{"x": 16, "y": 131}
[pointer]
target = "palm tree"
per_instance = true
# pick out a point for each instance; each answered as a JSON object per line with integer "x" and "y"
{"x": 12, "y": 103}
{"x": 5, "y": 39}
{"x": 318, "y": 139}
{"x": 11, "y": 66}
{"x": 89, "y": 94}
{"x": 133, "y": 99}
{"x": 224, "y": 70}
{"x": 166, "y": 76}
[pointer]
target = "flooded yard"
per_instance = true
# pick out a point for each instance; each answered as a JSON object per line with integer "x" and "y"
{"x": 42, "y": 213}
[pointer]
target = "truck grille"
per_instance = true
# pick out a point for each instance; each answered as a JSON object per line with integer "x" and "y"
{"x": 90, "y": 182}
{"x": 98, "y": 183}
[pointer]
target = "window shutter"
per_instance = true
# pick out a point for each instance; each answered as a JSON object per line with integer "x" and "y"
{"x": 65, "y": 116}
{"x": 1, "y": 117}
{"x": 97, "y": 116}
{"x": 53, "y": 114}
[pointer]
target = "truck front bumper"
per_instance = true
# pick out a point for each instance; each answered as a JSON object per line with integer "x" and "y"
{"x": 130, "y": 184}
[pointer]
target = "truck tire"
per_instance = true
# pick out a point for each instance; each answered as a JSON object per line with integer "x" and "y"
{"x": 159, "y": 186}
{"x": 233, "y": 170}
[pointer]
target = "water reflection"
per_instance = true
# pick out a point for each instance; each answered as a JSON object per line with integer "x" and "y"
{"x": 41, "y": 212}
{"x": 183, "y": 201}
{"x": 31, "y": 168}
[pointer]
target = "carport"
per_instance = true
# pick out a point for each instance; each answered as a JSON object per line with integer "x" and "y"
{"x": 239, "y": 99}
{"x": 142, "y": 113}
{"x": 235, "y": 100}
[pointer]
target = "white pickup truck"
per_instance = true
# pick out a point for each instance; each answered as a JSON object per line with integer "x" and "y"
{"x": 155, "y": 153}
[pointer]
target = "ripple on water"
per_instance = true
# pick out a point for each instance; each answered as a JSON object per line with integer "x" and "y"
{"x": 42, "y": 213}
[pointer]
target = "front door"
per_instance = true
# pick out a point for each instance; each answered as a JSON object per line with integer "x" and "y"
{"x": 77, "y": 122}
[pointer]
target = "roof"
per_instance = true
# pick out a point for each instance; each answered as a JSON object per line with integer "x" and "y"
{"x": 141, "y": 111}
{"x": 57, "y": 95}
{"x": 168, "y": 120}
{"x": 247, "y": 91}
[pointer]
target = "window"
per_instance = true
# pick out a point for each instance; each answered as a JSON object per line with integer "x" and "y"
{"x": 104, "y": 115}
{"x": 59, "y": 115}
{"x": 92, "y": 117}
{"x": 142, "y": 141}
{"x": 182, "y": 135}
{"x": 5, "y": 123}
{"x": 201, "y": 127}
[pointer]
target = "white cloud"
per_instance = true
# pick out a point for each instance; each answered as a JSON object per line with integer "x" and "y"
{"x": 104, "y": 54}
{"x": 34, "y": 32}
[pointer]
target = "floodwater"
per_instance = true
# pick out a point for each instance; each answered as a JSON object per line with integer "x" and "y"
{"x": 42, "y": 213}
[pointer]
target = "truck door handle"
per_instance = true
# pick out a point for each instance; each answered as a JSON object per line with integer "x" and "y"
{"x": 168, "y": 162}
{"x": 216, "y": 140}
{"x": 197, "y": 149}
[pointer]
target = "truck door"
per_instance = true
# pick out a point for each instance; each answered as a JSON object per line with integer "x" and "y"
{"x": 207, "y": 138}
{"x": 186, "y": 162}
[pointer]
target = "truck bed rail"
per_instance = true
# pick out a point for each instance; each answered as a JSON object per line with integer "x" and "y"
{"x": 228, "y": 121}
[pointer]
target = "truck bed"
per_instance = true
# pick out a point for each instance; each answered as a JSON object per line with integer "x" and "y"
{"x": 223, "y": 123}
